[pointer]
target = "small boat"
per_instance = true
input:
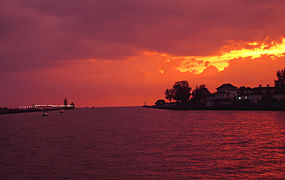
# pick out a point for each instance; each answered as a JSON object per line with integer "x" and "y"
{"x": 61, "y": 111}
{"x": 44, "y": 113}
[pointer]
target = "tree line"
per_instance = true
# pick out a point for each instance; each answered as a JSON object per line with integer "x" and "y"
{"x": 181, "y": 92}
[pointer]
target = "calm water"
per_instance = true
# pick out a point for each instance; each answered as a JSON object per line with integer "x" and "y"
{"x": 138, "y": 143}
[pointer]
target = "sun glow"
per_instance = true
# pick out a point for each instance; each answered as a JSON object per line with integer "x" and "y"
{"x": 197, "y": 64}
{"x": 161, "y": 71}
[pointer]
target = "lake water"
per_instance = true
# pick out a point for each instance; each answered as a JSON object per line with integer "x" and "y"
{"x": 139, "y": 143}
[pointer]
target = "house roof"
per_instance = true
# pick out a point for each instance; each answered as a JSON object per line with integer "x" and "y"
{"x": 227, "y": 86}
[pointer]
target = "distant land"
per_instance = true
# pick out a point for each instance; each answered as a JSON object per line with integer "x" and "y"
{"x": 35, "y": 108}
{"x": 227, "y": 97}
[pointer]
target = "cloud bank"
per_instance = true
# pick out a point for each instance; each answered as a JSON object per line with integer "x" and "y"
{"x": 37, "y": 33}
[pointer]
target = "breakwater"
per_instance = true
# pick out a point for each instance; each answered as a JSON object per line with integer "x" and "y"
{"x": 19, "y": 110}
{"x": 182, "y": 106}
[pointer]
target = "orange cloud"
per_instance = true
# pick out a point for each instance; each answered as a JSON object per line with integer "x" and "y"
{"x": 253, "y": 50}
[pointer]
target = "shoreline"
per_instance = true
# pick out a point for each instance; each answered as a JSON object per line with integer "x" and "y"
{"x": 180, "y": 106}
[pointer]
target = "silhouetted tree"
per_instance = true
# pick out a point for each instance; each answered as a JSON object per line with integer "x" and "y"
{"x": 72, "y": 104}
{"x": 280, "y": 82}
{"x": 160, "y": 102}
{"x": 169, "y": 94}
{"x": 200, "y": 94}
{"x": 181, "y": 91}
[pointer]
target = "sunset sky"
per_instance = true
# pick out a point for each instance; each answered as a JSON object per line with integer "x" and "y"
{"x": 126, "y": 52}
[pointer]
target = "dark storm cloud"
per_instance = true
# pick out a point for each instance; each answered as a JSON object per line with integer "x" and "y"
{"x": 36, "y": 33}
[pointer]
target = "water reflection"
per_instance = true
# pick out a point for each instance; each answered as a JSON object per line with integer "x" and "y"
{"x": 133, "y": 143}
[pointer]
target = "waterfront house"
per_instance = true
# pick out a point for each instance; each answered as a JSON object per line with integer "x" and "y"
{"x": 225, "y": 95}
{"x": 258, "y": 94}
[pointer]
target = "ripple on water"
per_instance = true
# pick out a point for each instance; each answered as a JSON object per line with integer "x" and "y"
{"x": 132, "y": 143}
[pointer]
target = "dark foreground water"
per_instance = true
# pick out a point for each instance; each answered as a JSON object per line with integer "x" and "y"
{"x": 138, "y": 143}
